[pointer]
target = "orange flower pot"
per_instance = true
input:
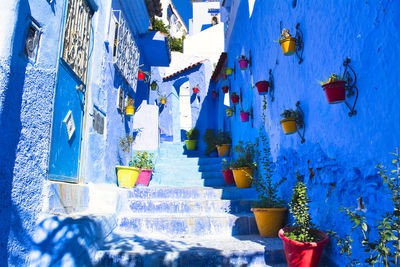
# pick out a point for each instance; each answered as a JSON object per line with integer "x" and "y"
{"x": 223, "y": 150}
{"x": 243, "y": 177}
{"x": 269, "y": 221}
{"x": 289, "y": 126}
{"x": 288, "y": 45}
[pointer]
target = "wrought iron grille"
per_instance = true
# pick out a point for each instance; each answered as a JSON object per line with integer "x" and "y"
{"x": 126, "y": 53}
{"x": 77, "y": 36}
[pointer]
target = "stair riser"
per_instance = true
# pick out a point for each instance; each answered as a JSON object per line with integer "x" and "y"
{"x": 190, "y": 175}
{"x": 183, "y": 182}
{"x": 191, "y": 167}
{"x": 181, "y": 161}
{"x": 189, "y": 226}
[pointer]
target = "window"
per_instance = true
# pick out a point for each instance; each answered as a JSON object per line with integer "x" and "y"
{"x": 214, "y": 21}
{"x": 32, "y": 41}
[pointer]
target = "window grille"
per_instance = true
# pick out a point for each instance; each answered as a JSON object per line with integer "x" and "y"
{"x": 32, "y": 41}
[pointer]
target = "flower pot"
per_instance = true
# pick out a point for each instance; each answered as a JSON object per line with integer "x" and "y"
{"x": 223, "y": 76}
{"x": 153, "y": 86}
{"x": 269, "y": 220}
{"x": 127, "y": 176}
{"x": 288, "y": 45}
{"x": 195, "y": 90}
{"x": 228, "y": 176}
{"x": 229, "y": 112}
{"x": 228, "y": 71}
{"x": 225, "y": 89}
{"x": 144, "y": 177}
{"x": 141, "y": 75}
{"x": 244, "y": 116}
{"x": 243, "y": 177}
{"x": 191, "y": 144}
{"x": 300, "y": 254}
{"x": 289, "y": 126}
{"x": 262, "y": 87}
{"x": 214, "y": 94}
{"x": 223, "y": 150}
{"x": 162, "y": 101}
{"x": 335, "y": 91}
{"x": 129, "y": 110}
{"x": 235, "y": 99}
{"x": 243, "y": 64}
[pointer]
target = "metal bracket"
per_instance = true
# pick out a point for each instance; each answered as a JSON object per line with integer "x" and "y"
{"x": 252, "y": 117}
{"x": 299, "y": 43}
{"x": 351, "y": 89}
{"x": 300, "y": 122}
{"x": 271, "y": 90}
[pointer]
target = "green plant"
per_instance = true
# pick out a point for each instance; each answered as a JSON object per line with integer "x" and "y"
{"x": 302, "y": 227}
{"x": 264, "y": 107}
{"x": 162, "y": 97}
{"x": 209, "y": 139}
{"x": 386, "y": 249}
{"x": 153, "y": 85}
{"x": 222, "y": 138}
{"x": 158, "y": 25}
{"x": 192, "y": 134}
{"x": 142, "y": 160}
{"x": 332, "y": 78}
{"x": 268, "y": 190}
{"x": 176, "y": 44}
{"x": 245, "y": 155}
{"x": 125, "y": 143}
{"x": 290, "y": 113}
{"x": 225, "y": 165}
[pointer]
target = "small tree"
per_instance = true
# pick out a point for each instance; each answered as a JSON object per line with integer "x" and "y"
{"x": 126, "y": 143}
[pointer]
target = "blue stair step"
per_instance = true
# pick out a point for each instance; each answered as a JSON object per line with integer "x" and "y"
{"x": 189, "y": 167}
{"x": 159, "y": 180}
{"x": 190, "y": 175}
{"x": 181, "y": 161}
{"x": 188, "y": 224}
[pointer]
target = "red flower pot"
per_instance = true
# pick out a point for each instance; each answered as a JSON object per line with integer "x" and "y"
{"x": 228, "y": 176}
{"x": 144, "y": 177}
{"x": 335, "y": 91}
{"x": 243, "y": 64}
{"x": 244, "y": 116}
{"x": 214, "y": 94}
{"x": 262, "y": 87}
{"x": 223, "y": 76}
{"x": 235, "y": 99}
{"x": 195, "y": 90}
{"x": 141, "y": 76}
{"x": 301, "y": 254}
{"x": 225, "y": 89}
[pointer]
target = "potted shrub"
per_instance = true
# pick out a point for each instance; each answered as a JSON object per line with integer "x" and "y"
{"x": 210, "y": 141}
{"x": 129, "y": 109}
{"x": 144, "y": 162}
{"x": 234, "y": 98}
{"x": 214, "y": 94}
{"x": 196, "y": 89}
{"x": 223, "y": 143}
{"x": 335, "y": 89}
{"x": 229, "y": 112}
{"x": 126, "y": 176}
{"x": 153, "y": 85}
{"x": 162, "y": 99}
{"x": 191, "y": 135}
{"x": 227, "y": 172}
{"x": 289, "y": 122}
{"x": 287, "y": 42}
{"x": 262, "y": 87}
{"x": 243, "y": 166}
{"x": 225, "y": 89}
{"x": 303, "y": 244}
{"x": 270, "y": 210}
{"x": 228, "y": 71}
{"x": 243, "y": 62}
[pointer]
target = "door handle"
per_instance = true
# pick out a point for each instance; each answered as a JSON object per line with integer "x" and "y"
{"x": 81, "y": 88}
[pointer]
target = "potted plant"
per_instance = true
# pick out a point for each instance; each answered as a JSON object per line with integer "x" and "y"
{"x": 223, "y": 76}
{"x": 228, "y": 71}
{"x": 162, "y": 99}
{"x": 270, "y": 210}
{"x": 227, "y": 172}
{"x": 210, "y": 141}
{"x": 287, "y": 42}
{"x": 289, "y": 122}
{"x": 244, "y": 115}
{"x": 243, "y": 62}
{"x": 223, "y": 143}
{"x": 225, "y": 89}
{"x": 126, "y": 176}
{"x": 196, "y": 89}
{"x": 303, "y": 244}
{"x": 235, "y": 98}
{"x": 214, "y": 94}
{"x": 144, "y": 162}
{"x": 129, "y": 108}
{"x": 335, "y": 89}
{"x": 262, "y": 87}
{"x": 243, "y": 166}
{"x": 229, "y": 112}
{"x": 154, "y": 85}
{"x": 191, "y": 135}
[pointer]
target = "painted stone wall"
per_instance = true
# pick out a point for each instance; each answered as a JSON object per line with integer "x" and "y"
{"x": 340, "y": 152}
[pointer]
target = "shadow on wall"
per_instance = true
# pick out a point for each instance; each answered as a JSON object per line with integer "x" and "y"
{"x": 10, "y": 132}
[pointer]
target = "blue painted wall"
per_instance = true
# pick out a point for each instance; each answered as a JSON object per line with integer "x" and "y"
{"x": 340, "y": 152}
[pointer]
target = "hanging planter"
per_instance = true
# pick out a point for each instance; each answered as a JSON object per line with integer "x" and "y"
{"x": 163, "y": 99}
{"x": 288, "y": 43}
{"x": 335, "y": 89}
{"x": 244, "y": 116}
{"x": 141, "y": 75}
{"x": 223, "y": 76}
{"x": 229, "y": 112}
{"x": 262, "y": 87}
{"x": 243, "y": 63}
{"x": 289, "y": 124}
{"x": 214, "y": 94}
{"x": 129, "y": 108}
{"x": 235, "y": 98}
{"x": 153, "y": 85}
{"x": 228, "y": 71}
{"x": 195, "y": 90}
{"x": 225, "y": 89}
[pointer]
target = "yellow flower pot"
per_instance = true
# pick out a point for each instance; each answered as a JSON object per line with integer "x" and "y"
{"x": 129, "y": 110}
{"x": 127, "y": 176}
{"x": 162, "y": 101}
{"x": 289, "y": 126}
{"x": 243, "y": 177}
{"x": 223, "y": 150}
{"x": 228, "y": 71}
{"x": 288, "y": 45}
{"x": 191, "y": 144}
{"x": 269, "y": 221}
{"x": 229, "y": 112}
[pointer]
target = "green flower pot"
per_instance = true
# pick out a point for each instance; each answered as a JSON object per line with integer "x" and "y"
{"x": 191, "y": 144}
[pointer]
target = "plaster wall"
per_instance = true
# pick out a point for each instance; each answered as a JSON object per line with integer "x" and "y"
{"x": 175, "y": 31}
{"x": 340, "y": 152}
{"x": 201, "y": 16}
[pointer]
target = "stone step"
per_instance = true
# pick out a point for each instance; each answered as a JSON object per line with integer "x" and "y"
{"x": 187, "y": 175}
{"x": 188, "y": 224}
{"x": 122, "y": 249}
{"x": 160, "y": 180}
{"x": 182, "y": 161}
{"x": 196, "y": 192}
{"x": 186, "y": 167}
{"x": 187, "y": 206}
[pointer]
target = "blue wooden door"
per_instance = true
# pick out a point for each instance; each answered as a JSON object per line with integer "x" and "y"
{"x": 67, "y": 126}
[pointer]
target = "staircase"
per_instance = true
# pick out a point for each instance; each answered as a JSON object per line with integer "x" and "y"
{"x": 188, "y": 217}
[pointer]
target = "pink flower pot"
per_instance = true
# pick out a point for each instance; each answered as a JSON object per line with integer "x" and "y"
{"x": 228, "y": 176}
{"x": 214, "y": 94}
{"x": 144, "y": 177}
{"x": 262, "y": 87}
{"x": 235, "y": 99}
{"x": 243, "y": 64}
{"x": 335, "y": 91}
{"x": 244, "y": 116}
{"x": 225, "y": 89}
{"x": 223, "y": 76}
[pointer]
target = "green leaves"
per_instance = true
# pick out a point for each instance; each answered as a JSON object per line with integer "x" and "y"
{"x": 142, "y": 160}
